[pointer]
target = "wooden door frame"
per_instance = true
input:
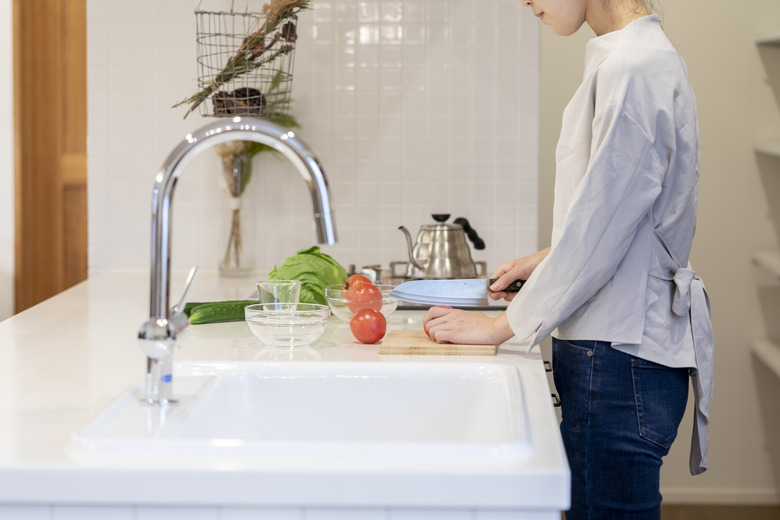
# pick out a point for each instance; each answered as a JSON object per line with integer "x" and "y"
{"x": 50, "y": 147}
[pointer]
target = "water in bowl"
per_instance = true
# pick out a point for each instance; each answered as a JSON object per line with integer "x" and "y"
{"x": 287, "y": 331}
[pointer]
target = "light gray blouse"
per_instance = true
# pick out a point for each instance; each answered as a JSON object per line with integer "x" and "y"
{"x": 624, "y": 217}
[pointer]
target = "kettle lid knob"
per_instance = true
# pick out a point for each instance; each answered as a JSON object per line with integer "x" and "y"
{"x": 440, "y": 217}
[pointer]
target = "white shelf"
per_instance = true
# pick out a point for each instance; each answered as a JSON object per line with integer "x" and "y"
{"x": 769, "y": 354}
{"x": 768, "y": 148}
{"x": 768, "y": 260}
{"x": 771, "y": 39}
{"x": 766, "y": 351}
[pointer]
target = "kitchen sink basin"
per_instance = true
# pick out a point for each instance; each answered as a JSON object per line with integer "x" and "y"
{"x": 338, "y": 414}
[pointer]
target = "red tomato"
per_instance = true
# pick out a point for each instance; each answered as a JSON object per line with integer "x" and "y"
{"x": 355, "y": 280}
{"x": 368, "y": 326}
{"x": 363, "y": 296}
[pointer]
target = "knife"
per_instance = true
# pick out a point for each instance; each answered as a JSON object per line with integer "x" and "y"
{"x": 467, "y": 292}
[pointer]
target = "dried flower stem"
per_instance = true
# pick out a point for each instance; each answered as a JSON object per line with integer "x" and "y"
{"x": 253, "y": 52}
{"x": 236, "y": 158}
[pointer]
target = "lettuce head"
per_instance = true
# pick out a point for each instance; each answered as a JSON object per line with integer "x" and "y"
{"x": 314, "y": 269}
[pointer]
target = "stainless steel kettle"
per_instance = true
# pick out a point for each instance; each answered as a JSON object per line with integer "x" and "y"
{"x": 441, "y": 250}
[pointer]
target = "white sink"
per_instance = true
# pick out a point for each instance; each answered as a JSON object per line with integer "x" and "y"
{"x": 391, "y": 414}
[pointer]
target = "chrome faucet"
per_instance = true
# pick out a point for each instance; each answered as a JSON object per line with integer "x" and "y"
{"x": 159, "y": 336}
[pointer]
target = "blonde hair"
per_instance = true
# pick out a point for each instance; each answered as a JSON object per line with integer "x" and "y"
{"x": 648, "y": 4}
{"x": 654, "y": 6}
{"x": 651, "y": 6}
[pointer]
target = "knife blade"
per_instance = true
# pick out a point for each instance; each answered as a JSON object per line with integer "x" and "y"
{"x": 466, "y": 292}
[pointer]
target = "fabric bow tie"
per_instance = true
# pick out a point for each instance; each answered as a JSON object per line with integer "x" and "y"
{"x": 681, "y": 301}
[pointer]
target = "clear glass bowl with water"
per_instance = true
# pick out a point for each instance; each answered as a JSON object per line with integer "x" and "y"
{"x": 287, "y": 324}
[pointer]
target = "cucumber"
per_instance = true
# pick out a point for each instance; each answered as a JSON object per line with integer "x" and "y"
{"x": 189, "y": 306}
{"x": 201, "y": 313}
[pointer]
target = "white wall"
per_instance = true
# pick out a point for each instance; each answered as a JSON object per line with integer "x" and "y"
{"x": 736, "y": 107}
{"x": 6, "y": 162}
{"x": 409, "y": 104}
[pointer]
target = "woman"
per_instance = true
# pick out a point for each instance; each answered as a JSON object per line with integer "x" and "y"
{"x": 629, "y": 317}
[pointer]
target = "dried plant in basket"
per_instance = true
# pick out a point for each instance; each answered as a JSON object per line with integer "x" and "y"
{"x": 258, "y": 48}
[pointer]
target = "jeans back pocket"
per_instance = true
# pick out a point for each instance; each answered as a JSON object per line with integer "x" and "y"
{"x": 661, "y": 395}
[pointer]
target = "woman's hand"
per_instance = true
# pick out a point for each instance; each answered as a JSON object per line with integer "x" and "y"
{"x": 446, "y": 325}
{"x": 517, "y": 269}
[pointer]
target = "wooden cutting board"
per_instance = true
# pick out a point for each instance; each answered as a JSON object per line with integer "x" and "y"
{"x": 416, "y": 342}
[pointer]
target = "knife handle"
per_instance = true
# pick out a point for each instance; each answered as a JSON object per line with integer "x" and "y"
{"x": 512, "y": 287}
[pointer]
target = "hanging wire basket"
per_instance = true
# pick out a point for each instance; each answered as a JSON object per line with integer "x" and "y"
{"x": 245, "y": 63}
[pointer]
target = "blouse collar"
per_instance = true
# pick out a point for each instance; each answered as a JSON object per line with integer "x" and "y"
{"x": 600, "y": 46}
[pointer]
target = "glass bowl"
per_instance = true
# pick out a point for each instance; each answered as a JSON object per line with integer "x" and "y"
{"x": 344, "y": 309}
{"x": 287, "y": 324}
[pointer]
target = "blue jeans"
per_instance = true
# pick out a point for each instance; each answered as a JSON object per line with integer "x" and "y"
{"x": 619, "y": 417}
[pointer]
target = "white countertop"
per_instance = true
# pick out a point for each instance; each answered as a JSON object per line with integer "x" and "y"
{"x": 63, "y": 361}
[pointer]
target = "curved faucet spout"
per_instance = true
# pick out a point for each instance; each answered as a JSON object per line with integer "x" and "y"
{"x": 160, "y": 334}
{"x": 235, "y": 129}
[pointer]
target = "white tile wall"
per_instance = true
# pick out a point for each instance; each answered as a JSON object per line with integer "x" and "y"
{"x": 414, "y": 107}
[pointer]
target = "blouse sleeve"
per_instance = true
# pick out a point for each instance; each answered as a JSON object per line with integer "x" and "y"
{"x": 621, "y": 182}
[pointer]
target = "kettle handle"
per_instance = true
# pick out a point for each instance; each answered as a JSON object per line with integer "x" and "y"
{"x": 470, "y": 232}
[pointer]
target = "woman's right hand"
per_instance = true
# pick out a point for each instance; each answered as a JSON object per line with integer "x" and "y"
{"x": 517, "y": 269}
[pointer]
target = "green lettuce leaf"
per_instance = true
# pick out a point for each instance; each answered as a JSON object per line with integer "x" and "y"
{"x": 314, "y": 269}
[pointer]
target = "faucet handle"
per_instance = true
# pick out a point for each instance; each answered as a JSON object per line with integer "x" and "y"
{"x": 179, "y": 307}
{"x": 177, "y": 316}
{"x": 158, "y": 338}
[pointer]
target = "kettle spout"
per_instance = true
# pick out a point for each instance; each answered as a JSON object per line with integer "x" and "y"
{"x": 410, "y": 248}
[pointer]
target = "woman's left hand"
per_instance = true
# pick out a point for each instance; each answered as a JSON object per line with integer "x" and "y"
{"x": 446, "y": 325}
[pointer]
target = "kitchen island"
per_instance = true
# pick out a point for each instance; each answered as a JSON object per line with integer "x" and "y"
{"x": 64, "y": 361}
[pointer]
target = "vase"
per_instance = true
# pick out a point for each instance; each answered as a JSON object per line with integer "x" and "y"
{"x": 237, "y": 258}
